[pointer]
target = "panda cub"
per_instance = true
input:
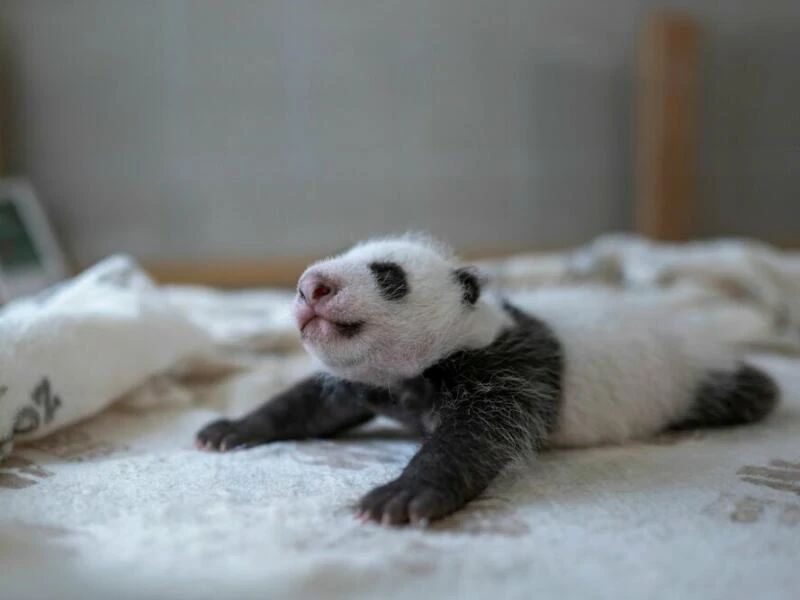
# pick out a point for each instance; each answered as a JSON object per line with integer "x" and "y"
{"x": 400, "y": 329}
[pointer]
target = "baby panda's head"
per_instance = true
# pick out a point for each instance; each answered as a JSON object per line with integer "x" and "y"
{"x": 387, "y": 309}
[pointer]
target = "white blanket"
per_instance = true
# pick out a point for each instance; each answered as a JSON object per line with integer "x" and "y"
{"x": 123, "y": 502}
{"x": 69, "y": 352}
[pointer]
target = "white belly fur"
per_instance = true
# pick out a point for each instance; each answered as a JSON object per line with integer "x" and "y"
{"x": 633, "y": 361}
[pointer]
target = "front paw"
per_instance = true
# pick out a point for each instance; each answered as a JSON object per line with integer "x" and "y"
{"x": 224, "y": 435}
{"x": 405, "y": 501}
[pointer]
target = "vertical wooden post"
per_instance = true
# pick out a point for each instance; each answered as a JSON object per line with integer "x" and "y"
{"x": 666, "y": 127}
{"x": 5, "y": 104}
{"x": 4, "y": 119}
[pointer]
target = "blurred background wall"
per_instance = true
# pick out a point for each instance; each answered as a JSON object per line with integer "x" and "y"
{"x": 202, "y": 129}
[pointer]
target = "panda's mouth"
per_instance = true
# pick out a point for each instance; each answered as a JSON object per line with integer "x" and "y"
{"x": 349, "y": 330}
{"x": 314, "y": 325}
{"x": 321, "y": 323}
{"x": 320, "y": 326}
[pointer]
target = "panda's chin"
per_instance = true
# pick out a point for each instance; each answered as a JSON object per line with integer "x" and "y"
{"x": 335, "y": 347}
{"x": 363, "y": 363}
{"x": 353, "y": 361}
{"x": 343, "y": 366}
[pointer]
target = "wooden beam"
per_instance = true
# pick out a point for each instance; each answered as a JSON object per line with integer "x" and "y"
{"x": 271, "y": 272}
{"x": 5, "y": 120}
{"x": 239, "y": 273}
{"x": 666, "y": 127}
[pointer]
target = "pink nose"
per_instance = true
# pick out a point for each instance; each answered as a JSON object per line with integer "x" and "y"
{"x": 315, "y": 288}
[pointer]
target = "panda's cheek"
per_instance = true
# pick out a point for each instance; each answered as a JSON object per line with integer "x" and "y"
{"x": 396, "y": 330}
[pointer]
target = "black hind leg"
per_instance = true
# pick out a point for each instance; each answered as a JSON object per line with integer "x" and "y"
{"x": 726, "y": 398}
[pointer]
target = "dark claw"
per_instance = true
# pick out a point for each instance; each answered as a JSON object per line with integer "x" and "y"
{"x": 224, "y": 435}
{"x": 402, "y": 502}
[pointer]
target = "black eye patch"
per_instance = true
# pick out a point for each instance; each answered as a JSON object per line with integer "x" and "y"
{"x": 470, "y": 284}
{"x": 391, "y": 280}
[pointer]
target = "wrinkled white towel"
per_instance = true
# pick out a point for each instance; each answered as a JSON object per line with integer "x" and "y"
{"x": 69, "y": 352}
{"x": 741, "y": 270}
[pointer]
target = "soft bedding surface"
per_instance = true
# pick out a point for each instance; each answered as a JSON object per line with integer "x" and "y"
{"x": 122, "y": 505}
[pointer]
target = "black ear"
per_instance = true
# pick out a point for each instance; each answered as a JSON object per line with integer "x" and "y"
{"x": 470, "y": 282}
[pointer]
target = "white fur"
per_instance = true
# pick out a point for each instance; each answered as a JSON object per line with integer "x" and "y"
{"x": 633, "y": 360}
{"x": 400, "y": 339}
